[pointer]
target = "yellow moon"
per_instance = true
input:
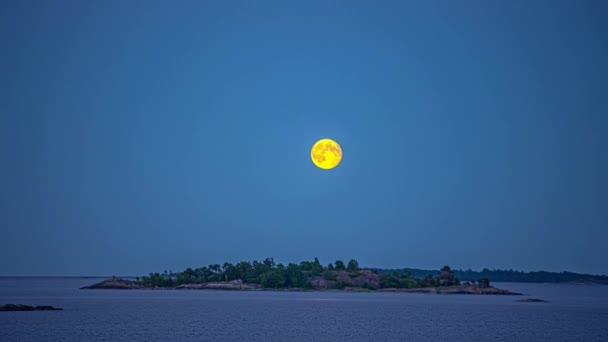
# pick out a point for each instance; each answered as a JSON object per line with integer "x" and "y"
{"x": 326, "y": 154}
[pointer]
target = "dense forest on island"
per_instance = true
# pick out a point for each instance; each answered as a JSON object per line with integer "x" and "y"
{"x": 304, "y": 275}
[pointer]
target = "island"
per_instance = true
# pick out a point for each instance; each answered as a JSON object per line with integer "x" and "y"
{"x": 531, "y": 300}
{"x": 305, "y": 276}
{"x": 21, "y": 307}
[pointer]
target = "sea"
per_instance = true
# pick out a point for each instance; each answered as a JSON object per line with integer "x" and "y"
{"x": 573, "y": 312}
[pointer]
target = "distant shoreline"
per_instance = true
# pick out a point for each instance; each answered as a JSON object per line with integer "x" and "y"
{"x": 495, "y": 276}
{"x": 581, "y": 283}
{"x": 135, "y": 277}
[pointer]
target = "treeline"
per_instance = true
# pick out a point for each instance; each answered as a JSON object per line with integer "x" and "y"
{"x": 266, "y": 273}
{"x": 443, "y": 277}
{"x": 336, "y": 275}
{"x": 506, "y": 275}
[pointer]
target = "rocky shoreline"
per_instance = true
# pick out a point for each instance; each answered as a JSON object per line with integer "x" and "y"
{"x": 231, "y": 285}
{"x": 114, "y": 284}
{"x": 455, "y": 289}
{"x": 238, "y": 285}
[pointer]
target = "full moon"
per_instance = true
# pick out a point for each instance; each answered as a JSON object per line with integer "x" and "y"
{"x": 326, "y": 154}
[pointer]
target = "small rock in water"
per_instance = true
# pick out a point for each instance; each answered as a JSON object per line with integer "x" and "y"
{"x": 21, "y": 307}
{"x": 531, "y": 300}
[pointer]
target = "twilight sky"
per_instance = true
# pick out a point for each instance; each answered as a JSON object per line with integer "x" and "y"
{"x": 144, "y": 136}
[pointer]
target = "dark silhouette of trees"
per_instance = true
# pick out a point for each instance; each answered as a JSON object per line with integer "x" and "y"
{"x": 496, "y": 275}
{"x": 269, "y": 274}
{"x": 157, "y": 280}
{"x": 353, "y": 265}
{"x": 446, "y": 277}
{"x": 339, "y": 265}
{"x": 389, "y": 281}
{"x": 316, "y": 267}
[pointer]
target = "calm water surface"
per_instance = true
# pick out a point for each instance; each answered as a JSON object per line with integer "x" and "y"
{"x": 574, "y": 313}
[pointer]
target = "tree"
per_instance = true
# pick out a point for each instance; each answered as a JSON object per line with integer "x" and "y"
{"x": 446, "y": 277}
{"x": 269, "y": 262}
{"x": 244, "y": 270}
{"x": 215, "y": 268}
{"x": 295, "y": 276}
{"x": 230, "y": 271}
{"x": 317, "y": 268}
{"x": 339, "y": 265}
{"x": 406, "y": 274}
{"x": 157, "y": 280}
{"x": 202, "y": 274}
{"x": 187, "y": 276}
{"x": 273, "y": 279}
{"x": 259, "y": 268}
{"x": 353, "y": 265}
{"x": 389, "y": 281}
{"x": 428, "y": 281}
{"x": 306, "y": 265}
{"x": 330, "y": 267}
{"x": 483, "y": 282}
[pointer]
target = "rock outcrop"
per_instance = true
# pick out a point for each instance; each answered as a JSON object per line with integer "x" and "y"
{"x": 21, "y": 307}
{"x": 320, "y": 283}
{"x": 456, "y": 289}
{"x": 368, "y": 278}
{"x": 114, "y": 283}
{"x": 231, "y": 285}
{"x": 359, "y": 279}
{"x": 531, "y": 300}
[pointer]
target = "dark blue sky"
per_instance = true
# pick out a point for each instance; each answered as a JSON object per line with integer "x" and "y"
{"x": 143, "y": 136}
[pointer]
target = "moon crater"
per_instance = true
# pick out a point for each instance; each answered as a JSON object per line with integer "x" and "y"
{"x": 326, "y": 154}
